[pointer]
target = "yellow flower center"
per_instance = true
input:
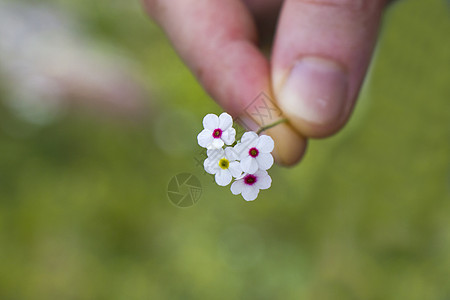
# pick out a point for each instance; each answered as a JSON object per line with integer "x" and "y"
{"x": 224, "y": 163}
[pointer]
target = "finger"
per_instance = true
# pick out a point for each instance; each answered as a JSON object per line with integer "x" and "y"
{"x": 321, "y": 54}
{"x": 217, "y": 41}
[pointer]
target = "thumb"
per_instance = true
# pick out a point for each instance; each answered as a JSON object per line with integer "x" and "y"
{"x": 321, "y": 54}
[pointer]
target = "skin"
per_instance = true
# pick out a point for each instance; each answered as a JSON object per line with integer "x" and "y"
{"x": 233, "y": 49}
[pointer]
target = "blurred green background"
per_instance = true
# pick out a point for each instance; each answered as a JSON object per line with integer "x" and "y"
{"x": 84, "y": 212}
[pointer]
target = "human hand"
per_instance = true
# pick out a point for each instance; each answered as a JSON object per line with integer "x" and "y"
{"x": 320, "y": 55}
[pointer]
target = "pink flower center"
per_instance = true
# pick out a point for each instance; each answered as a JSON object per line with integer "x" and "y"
{"x": 217, "y": 133}
{"x": 250, "y": 179}
{"x": 253, "y": 152}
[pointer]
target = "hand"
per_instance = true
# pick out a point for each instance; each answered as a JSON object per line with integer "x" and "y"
{"x": 320, "y": 55}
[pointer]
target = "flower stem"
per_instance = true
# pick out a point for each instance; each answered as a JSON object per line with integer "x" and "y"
{"x": 264, "y": 128}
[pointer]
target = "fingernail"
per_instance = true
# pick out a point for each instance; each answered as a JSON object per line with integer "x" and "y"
{"x": 315, "y": 91}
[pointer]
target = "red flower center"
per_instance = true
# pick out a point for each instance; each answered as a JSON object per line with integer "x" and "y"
{"x": 217, "y": 133}
{"x": 250, "y": 179}
{"x": 253, "y": 152}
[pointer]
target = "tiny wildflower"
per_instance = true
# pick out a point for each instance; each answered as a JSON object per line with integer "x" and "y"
{"x": 222, "y": 164}
{"x": 254, "y": 152}
{"x": 218, "y": 131}
{"x": 249, "y": 184}
{"x": 247, "y": 161}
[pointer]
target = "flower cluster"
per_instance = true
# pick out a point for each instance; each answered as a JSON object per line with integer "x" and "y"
{"x": 247, "y": 160}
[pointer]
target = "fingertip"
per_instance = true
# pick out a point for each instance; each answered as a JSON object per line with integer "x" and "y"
{"x": 290, "y": 147}
{"x": 264, "y": 114}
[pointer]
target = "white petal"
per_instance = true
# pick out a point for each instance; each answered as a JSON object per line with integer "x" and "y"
{"x": 231, "y": 154}
{"x": 229, "y": 136}
{"x": 235, "y": 169}
{"x": 250, "y": 193}
{"x": 265, "y": 144}
{"x": 249, "y": 138}
{"x": 205, "y": 138}
{"x": 237, "y": 187}
{"x": 223, "y": 177}
{"x": 265, "y": 160}
{"x": 211, "y": 165}
{"x": 249, "y": 165}
{"x": 216, "y": 144}
{"x": 264, "y": 181}
{"x": 211, "y": 122}
{"x": 215, "y": 153}
{"x": 244, "y": 152}
{"x": 225, "y": 121}
{"x": 241, "y": 176}
{"x": 241, "y": 150}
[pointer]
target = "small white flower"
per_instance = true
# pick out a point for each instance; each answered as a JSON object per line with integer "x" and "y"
{"x": 222, "y": 164}
{"x": 218, "y": 131}
{"x": 250, "y": 184}
{"x": 254, "y": 152}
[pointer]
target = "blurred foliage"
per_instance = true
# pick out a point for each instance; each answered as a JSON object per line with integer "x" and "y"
{"x": 84, "y": 212}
